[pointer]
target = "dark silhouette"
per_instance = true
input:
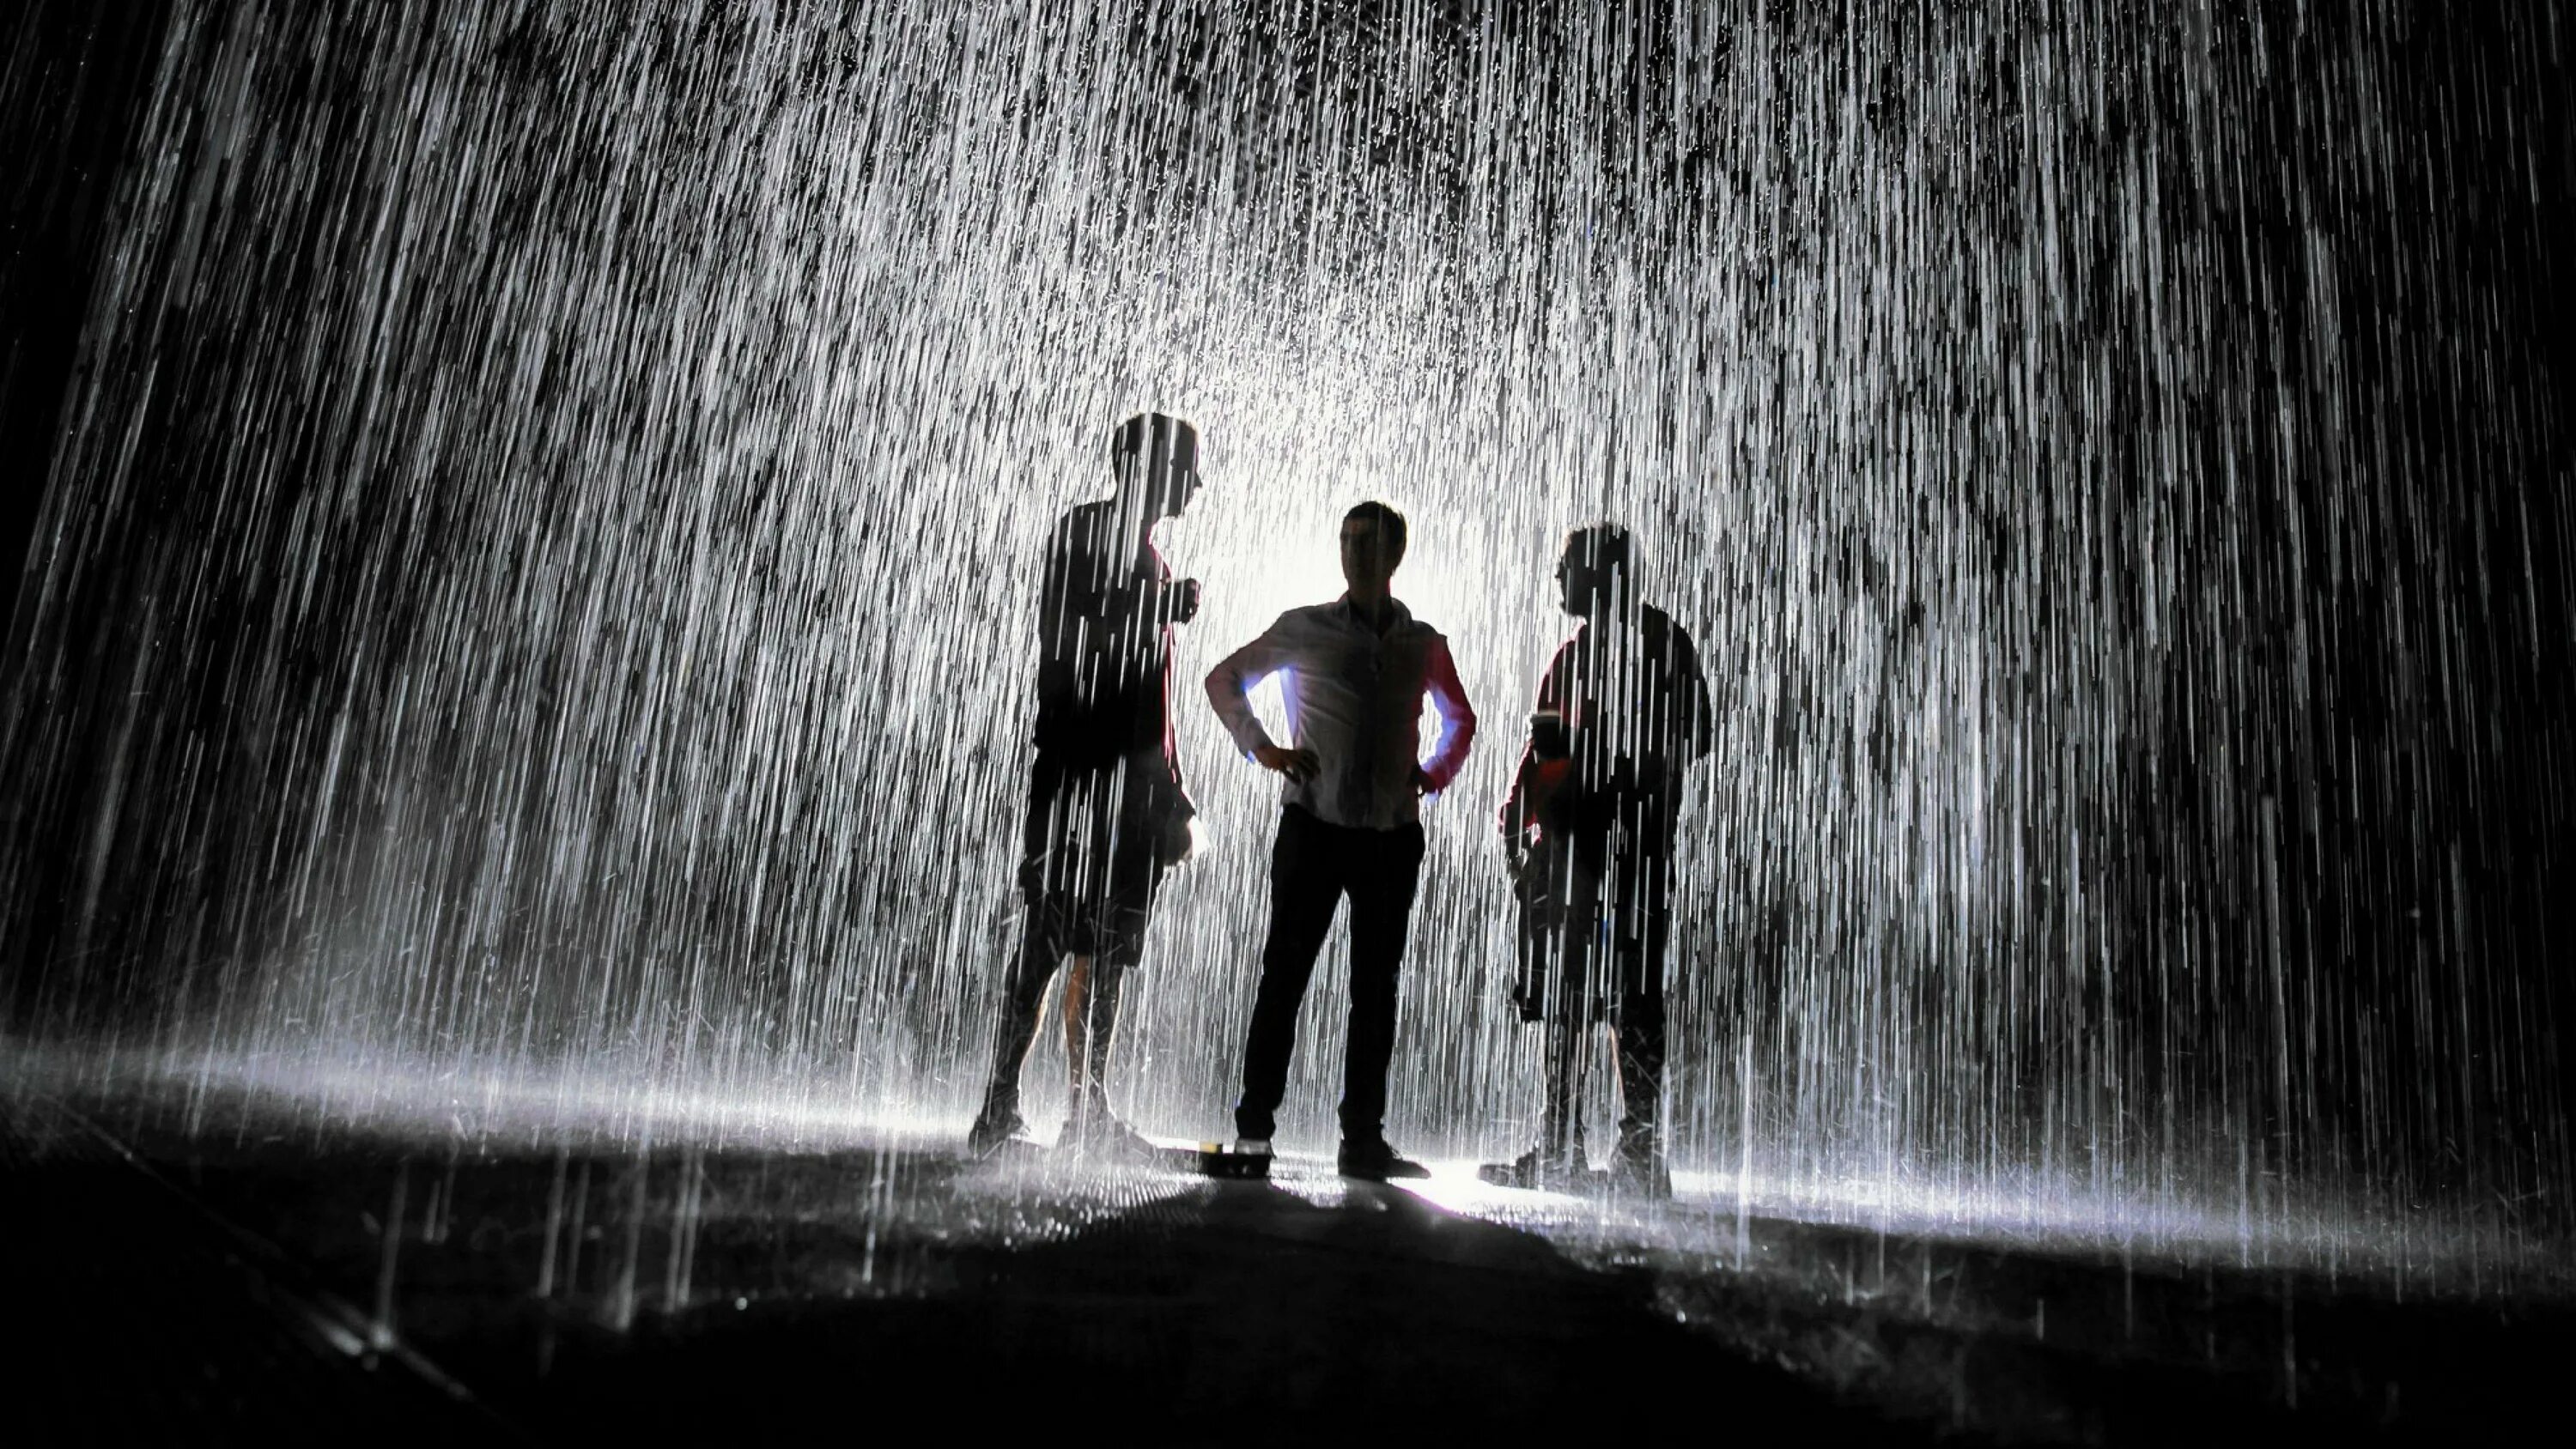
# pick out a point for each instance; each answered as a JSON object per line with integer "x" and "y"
{"x": 1107, "y": 814}
{"x": 1589, "y": 824}
{"x": 1357, "y": 671}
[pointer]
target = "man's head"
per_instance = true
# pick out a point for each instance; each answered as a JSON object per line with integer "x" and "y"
{"x": 1372, "y": 545}
{"x": 1598, "y": 571}
{"x": 1157, "y": 456}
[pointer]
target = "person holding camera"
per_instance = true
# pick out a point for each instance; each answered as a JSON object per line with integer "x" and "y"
{"x": 1589, "y": 827}
{"x": 1107, "y": 813}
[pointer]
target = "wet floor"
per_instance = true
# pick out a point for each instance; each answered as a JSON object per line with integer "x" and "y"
{"x": 286, "y": 1278}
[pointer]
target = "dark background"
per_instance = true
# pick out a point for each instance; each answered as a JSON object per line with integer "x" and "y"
{"x": 80, "y": 73}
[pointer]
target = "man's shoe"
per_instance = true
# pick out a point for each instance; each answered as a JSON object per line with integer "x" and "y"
{"x": 1377, "y": 1162}
{"x": 1641, "y": 1172}
{"x": 1095, "y": 1131}
{"x": 991, "y": 1130}
{"x": 1535, "y": 1171}
{"x": 1249, "y": 1159}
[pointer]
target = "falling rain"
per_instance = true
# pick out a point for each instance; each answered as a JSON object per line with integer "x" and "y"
{"x": 533, "y": 607}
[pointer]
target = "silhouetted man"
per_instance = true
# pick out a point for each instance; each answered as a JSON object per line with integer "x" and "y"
{"x": 1349, "y": 823}
{"x": 1589, "y": 825}
{"x": 1107, "y": 814}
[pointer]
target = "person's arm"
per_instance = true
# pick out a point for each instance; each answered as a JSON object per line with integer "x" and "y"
{"x": 1457, "y": 718}
{"x": 1057, "y": 608}
{"x": 1174, "y": 601}
{"x": 1697, "y": 712}
{"x": 1172, "y": 596}
{"x": 1229, "y": 690}
{"x": 1176, "y": 807}
{"x": 1514, "y": 821}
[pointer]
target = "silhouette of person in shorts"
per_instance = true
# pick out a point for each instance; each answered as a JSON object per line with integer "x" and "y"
{"x": 1107, "y": 814}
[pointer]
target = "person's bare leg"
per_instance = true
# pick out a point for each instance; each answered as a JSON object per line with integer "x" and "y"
{"x": 1078, "y": 1062}
{"x": 1557, "y": 1004}
{"x": 1092, "y": 991}
{"x": 1566, "y": 1052}
{"x": 1015, "y": 1030}
{"x": 1639, "y": 1033}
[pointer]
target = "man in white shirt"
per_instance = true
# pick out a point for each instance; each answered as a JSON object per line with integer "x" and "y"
{"x": 1357, "y": 670}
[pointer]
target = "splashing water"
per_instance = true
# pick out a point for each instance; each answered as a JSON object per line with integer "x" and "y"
{"x": 539, "y": 575}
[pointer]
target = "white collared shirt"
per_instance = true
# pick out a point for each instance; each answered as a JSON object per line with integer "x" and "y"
{"x": 1354, "y": 697}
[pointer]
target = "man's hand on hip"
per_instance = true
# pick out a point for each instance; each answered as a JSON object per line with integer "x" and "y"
{"x": 1298, "y": 765}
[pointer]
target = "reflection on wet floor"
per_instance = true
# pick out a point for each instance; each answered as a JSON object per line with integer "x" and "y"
{"x": 561, "y": 1274}
{"x": 917, "y": 1184}
{"x": 575, "y": 1272}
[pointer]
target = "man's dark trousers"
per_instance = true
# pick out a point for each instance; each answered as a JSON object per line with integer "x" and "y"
{"x": 1312, "y": 867}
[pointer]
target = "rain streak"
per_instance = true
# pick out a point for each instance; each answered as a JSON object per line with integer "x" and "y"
{"x": 534, "y": 617}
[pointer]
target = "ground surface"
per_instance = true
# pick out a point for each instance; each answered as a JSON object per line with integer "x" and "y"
{"x": 258, "y": 1286}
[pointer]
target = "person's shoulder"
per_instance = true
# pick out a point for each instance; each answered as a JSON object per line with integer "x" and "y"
{"x": 1083, "y": 529}
{"x": 1415, "y": 626}
{"x": 1303, "y": 614}
{"x": 1661, "y": 626}
{"x": 1667, "y": 636}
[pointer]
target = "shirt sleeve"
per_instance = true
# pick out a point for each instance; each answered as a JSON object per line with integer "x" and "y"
{"x": 1457, "y": 717}
{"x": 1229, "y": 685}
{"x": 1551, "y": 692}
